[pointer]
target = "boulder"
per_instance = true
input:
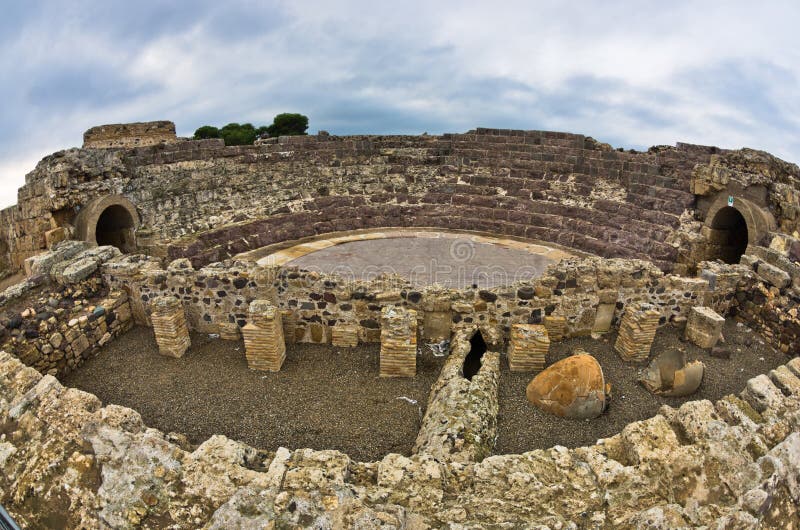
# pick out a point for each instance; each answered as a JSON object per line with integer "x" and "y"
{"x": 572, "y": 388}
{"x": 670, "y": 375}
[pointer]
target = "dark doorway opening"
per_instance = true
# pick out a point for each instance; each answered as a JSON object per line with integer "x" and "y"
{"x": 472, "y": 362}
{"x": 115, "y": 227}
{"x": 729, "y": 235}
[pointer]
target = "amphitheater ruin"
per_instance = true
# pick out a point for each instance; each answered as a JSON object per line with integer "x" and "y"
{"x": 495, "y": 329}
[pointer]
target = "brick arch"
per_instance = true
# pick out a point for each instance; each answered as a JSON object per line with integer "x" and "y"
{"x": 760, "y": 221}
{"x": 115, "y": 211}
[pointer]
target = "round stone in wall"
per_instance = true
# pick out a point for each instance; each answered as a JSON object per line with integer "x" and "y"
{"x": 572, "y": 388}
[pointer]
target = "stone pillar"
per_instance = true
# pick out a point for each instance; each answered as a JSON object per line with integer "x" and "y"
{"x": 169, "y": 325}
{"x": 264, "y": 346}
{"x": 344, "y": 335}
{"x": 704, "y": 327}
{"x": 528, "y": 349}
{"x": 398, "y": 342}
{"x": 556, "y": 326}
{"x": 637, "y": 332}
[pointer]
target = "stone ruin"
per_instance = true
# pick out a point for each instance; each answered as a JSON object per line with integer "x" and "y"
{"x": 671, "y": 236}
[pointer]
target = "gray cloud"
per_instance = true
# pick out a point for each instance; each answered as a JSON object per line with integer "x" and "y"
{"x": 625, "y": 73}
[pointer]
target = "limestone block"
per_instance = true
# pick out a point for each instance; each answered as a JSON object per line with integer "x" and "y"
{"x": 344, "y": 336}
{"x": 528, "y": 349}
{"x": 637, "y": 332}
{"x": 398, "y": 342}
{"x": 264, "y": 344}
{"x": 169, "y": 325}
{"x": 572, "y": 388}
{"x": 704, "y": 327}
{"x": 54, "y": 236}
{"x": 773, "y": 275}
{"x": 556, "y": 327}
{"x": 603, "y": 318}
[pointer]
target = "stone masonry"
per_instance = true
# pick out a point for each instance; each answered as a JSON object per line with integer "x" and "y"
{"x": 636, "y": 332}
{"x": 398, "y": 342}
{"x": 344, "y": 336}
{"x": 704, "y": 327}
{"x": 528, "y": 348}
{"x": 169, "y": 325}
{"x": 264, "y": 344}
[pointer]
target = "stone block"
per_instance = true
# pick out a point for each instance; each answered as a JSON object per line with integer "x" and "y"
{"x": 704, "y": 327}
{"x": 603, "y": 318}
{"x": 637, "y": 332}
{"x": 398, "y": 342}
{"x": 344, "y": 336}
{"x": 169, "y": 325}
{"x": 528, "y": 348}
{"x": 264, "y": 345}
{"x": 773, "y": 275}
{"x": 54, "y": 236}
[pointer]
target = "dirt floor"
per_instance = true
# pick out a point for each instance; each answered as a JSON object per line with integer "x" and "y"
{"x": 522, "y": 427}
{"x": 323, "y": 398}
{"x": 331, "y": 398}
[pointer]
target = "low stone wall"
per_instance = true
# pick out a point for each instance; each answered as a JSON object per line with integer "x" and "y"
{"x": 460, "y": 423}
{"x": 129, "y": 135}
{"x": 590, "y": 293}
{"x": 68, "y": 462}
{"x": 62, "y": 328}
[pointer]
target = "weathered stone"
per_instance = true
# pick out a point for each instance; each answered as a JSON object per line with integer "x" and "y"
{"x": 704, "y": 327}
{"x": 169, "y": 326}
{"x": 264, "y": 344}
{"x": 573, "y": 388}
{"x": 398, "y": 342}
{"x": 670, "y": 375}
{"x": 773, "y": 275}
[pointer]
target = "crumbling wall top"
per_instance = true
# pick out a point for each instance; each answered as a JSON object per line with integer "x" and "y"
{"x": 130, "y": 134}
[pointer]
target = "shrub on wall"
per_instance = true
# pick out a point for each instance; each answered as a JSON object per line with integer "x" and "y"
{"x": 286, "y": 124}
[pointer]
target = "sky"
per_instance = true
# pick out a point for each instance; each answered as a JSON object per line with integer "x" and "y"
{"x": 633, "y": 74}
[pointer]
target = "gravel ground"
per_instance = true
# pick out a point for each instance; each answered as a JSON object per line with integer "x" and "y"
{"x": 522, "y": 427}
{"x": 323, "y": 398}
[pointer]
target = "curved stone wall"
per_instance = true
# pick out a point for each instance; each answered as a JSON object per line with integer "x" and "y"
{"x": 205, "y": 201}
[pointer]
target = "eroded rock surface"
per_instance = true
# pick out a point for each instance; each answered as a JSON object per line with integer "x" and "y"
{"x": 573, "y": 388}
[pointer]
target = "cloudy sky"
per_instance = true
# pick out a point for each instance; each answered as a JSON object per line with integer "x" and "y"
{"x": 633, "y": 74}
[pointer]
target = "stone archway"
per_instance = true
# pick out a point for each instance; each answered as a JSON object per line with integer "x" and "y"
{"x": 729, "y": 236}
{"x": 110, "y": 220}
{"x": 732, "y": 223}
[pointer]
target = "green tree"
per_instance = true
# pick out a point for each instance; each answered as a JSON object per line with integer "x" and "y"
{"x": 206, "y": 131}
{"x": 288, "y": 124}
{"x": 236, "y": 134}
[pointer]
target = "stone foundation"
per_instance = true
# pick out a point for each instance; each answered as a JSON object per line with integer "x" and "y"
{"x": 398, "y": 342}
{"x": 264, "y": 345}
{"x": 528, "y": 348}
{"x": 169, "y": 325}
{"x": 636, "y": 332}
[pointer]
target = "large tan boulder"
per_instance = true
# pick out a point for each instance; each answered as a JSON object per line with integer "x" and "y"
{"x": 572, "y": 388}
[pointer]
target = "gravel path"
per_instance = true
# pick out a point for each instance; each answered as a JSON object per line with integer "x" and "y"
{"x": 522, "y": 427}
{"x": 323, "y": 398}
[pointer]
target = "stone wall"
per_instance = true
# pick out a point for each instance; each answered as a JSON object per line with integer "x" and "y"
{"x": 206, "y": 201}
{"x": 591, "y": 294}
{"x": 128, "y": 135}
{"x": 60, "y": 329}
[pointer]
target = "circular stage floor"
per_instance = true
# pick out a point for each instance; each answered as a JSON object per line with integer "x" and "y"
{"x": 422, "y": 257}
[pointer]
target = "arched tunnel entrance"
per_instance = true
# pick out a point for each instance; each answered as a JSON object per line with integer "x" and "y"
{"x": 729, "y": 235}
{"x": 115, "y": 226}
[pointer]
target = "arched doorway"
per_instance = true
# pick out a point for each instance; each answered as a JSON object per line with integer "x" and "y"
{"x": 110, "y": 220}
{"x": 729, "y": 235}
{"x": 115, "y": 227}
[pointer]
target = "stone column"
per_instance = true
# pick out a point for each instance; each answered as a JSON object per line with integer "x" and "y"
{"x": 398, "y": 342}
{"x": 344, "y": 335}
{"x": 704, "y": 327}
{"x": 264, "y": 346}
{"x": 169, "y": 325}
{"x": 528, "y": 349}
{"x": 637, "y": 332}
